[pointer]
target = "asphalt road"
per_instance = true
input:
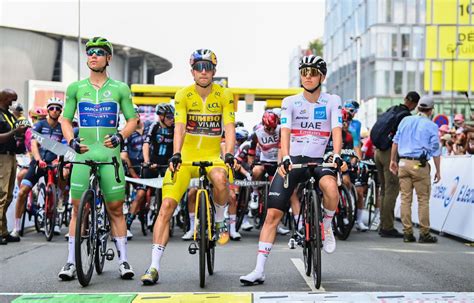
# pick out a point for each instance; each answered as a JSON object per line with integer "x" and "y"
{"x": 365, "y": 262}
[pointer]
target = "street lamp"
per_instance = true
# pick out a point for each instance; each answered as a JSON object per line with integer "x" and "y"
{"x": 458, "y": 43}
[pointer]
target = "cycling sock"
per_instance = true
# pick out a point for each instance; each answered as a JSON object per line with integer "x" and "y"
{"x": 300, "y": 223}
{"x": 328, "y": 215}
{"x": 232, "y": 219}
{"x": 359, "y": 214}
{"x": 246, "y": 219}
{"x": 255, "y": 190}
{"x": 262, "y": 256}
{"x": 191, "y": 221}
{"x": 71, "y": 257}
{"x": 220, "y": 210}
{"x": 156, "y": 254}
{"x": 17, "y": 224}
{"x": 376, "y": 212}
{"x": 121, "y": 245}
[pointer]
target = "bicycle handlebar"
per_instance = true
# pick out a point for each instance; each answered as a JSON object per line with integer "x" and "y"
{"x": 91, "y": 163}
{"x": 306, "y": 165}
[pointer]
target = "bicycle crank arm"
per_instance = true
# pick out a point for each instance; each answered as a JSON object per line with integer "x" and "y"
{"x": 193, "y": 248}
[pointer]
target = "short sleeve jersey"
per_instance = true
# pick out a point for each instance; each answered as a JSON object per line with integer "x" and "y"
{"x": 98, "y": 109}
{"x": 204, "y": 121}
{"x": 311, "y": 124}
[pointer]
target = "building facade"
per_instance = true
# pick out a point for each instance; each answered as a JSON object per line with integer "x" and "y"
{"x": 396, "y": 53}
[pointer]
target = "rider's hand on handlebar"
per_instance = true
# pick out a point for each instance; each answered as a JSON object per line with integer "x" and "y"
{"x": 112, "y": 141}
{"x": 42, "y": 164}
{"x": 229, "y": 159}
{"x": 77, "y": 146}
{"x": 285, "y": 166}
{"x": 175, "y": 162}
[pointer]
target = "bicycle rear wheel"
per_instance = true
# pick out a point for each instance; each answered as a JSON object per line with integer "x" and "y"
{"x": 343, "y": 220}
{"x": 203, "y": 241}
{"x": 102, "y": 237}
{"x": 40, "y": 202}
{"x": 315, "y": 216}
{"x": 85, "y": 240}
{"x": 50, "y": 211}
{"x": 371, "y": 200}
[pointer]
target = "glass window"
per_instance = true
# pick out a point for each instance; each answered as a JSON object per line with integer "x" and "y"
{"x": 422, "y": 12}
{"x": 383, "y": 45}
{"x": 405, "y": 45}
{"x": 417, "y": 47}
{"x": 411, "y": 11}
{"x": 395, "y": 45}
{"x": 371, "y": 12}
{"x": 398, "y": 11}
{"x": 388, "y": 10}
{"x": 411, "y": 81}
{"x": 360, "y": 20}
{"x": 398, "y": 85}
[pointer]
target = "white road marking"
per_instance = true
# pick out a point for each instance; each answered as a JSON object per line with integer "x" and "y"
{"x": 309, "y": 280}
{"x": 403, "y": 250}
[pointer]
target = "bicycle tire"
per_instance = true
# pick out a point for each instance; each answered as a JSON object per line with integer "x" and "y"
{"x": 242, "y": 207}
{"x": 39, "y": 214}
{"x": 372, "y": 200}
{"x": 211, "y": 246}
{"x": 315, "y": 233}
{"x": 86, "y": 221}
{"x": 23, "y": 217}
{"x": 50, "y": 211}
{"x": 345, "y": 211}
{"x": 203, "y": 241}
{"x": 101, "y": 246}
{"x": 307, "y": 252}
{"x": 143, "y": 218}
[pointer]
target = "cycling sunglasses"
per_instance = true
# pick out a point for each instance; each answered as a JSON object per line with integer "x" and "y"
{"x": 309, "y": 71}
{"x": 203, "y": 65}
{"x": 169, "y": 116}
{"x": 98, "y": 51}
{"x": 55, "y": 108}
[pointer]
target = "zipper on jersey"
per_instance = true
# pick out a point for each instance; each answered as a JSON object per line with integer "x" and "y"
{"x": 97, "y": 102}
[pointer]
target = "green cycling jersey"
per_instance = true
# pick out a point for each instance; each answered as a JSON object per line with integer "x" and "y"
{"x": 98, "y": 116}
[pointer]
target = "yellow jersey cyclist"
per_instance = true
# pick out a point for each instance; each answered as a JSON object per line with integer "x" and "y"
{"x": 203, "y": 111}
{"x": 98, "y": 101}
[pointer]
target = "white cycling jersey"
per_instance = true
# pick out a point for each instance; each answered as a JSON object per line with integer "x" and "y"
{"x": 268, "y": 143}
{"x": 310, "y": 123}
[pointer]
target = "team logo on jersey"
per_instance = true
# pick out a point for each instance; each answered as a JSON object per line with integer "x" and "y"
{"x": 320, "y": 113}
{"x": 283, "y": 120}
{"x": 194, "y": 104}
{"x": 107, "y": 93}
{"x": 213, "y": 107}
{"x": 207, "y": 125}
{"x": 298, "y": 103}
{"x": 303, "y": 112}
{"x": 87, "y": 94}
{"x": 339, "y": 119}
{"x": 98, "y": 115}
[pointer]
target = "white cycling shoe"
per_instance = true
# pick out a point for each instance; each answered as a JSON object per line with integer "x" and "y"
{"x": 235, "y": 236}
{"x": 329, "y": 243}
{"x": 252, "y": 278}
{"x": 253, "y": 203}
{"x": 188, "y": 235}
{"x": 360, "y": 226}
{"x": 247, "y": 226}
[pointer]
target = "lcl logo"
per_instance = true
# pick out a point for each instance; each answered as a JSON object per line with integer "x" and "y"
{"x": 213, "y": 106}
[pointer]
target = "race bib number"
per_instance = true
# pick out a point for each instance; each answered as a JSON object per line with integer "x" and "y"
{"x": 204, "y": 125}
{"x": 104, "y": 114}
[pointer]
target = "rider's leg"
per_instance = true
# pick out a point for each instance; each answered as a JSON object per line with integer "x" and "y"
{"x": 296, "y": 208}
{"x": 328, "y": 186}
{"x": 233, "y": 214}
{"x": 218, "y": 177}
{"x": 20, "y": 205}
{"x": 191, "y": 206}
{"x": 257, "y": 173}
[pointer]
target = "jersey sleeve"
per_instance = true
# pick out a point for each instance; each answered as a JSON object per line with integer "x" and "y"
{"x": 38, "y": 126}
{"x": 356, "y": 132}
{"x": 228, "y": 114}
{"x": 149, "y": 133}
{"x": 126, "y": 105}
{"x": 71, "y": 102}
{"x": 336, "y": 112}
{"x": 286, "y": 113}
{"x": 180, "y": 112}
{"x": 253, "y": 144}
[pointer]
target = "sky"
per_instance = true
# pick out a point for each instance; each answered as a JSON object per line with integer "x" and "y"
{"x": 253, "y": 40}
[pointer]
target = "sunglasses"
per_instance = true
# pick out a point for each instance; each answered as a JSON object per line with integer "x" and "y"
{"x": 309, "y": 71}
{"x": 203, "y": 65}
{"x": 171, "y": 117}
{"x": 97, "y": 51}
{"x": 55, "y": 108}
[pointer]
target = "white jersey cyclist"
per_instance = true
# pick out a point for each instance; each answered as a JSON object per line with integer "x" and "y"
{"x": 268, "y": 142}
{"x": 310, "y": 123}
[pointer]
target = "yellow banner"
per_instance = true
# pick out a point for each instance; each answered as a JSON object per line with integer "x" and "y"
{"x": 449, "y": 11}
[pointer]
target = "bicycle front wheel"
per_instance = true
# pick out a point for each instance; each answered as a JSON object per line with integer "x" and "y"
{"x": 50, "y": 211}
{"x": 102, "y": 237}
{"x": 203, "y": 241}
{"x": 307, "y": 241}
{"x": 343, "y": 220}
{"x": 315, "y": 216}
{"x": 211, "y": 246}
{"x": 40, "y": 202}
{"x": 85, "y": 240}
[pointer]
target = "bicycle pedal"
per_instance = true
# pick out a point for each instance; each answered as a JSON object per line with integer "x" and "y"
{"x": 110, "y": 254}
{"x": 193, "y": 248}
{"x": 292, "y": 243}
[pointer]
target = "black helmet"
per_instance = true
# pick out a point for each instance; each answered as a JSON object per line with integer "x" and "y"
{"x": 239, "y": 124}
{"x": 314, "y": 61}
{"x": 164, "y": 108}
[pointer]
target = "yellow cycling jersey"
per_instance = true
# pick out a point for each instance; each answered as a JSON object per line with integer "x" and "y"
{"x": 204, "y": 121}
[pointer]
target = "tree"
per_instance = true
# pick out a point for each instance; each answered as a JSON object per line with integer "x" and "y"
{"x": 316, "y": 46}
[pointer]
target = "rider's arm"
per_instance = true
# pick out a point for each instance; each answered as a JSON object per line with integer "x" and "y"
{"x": 128, "y": 111}
{"x": 180, "y": 119}
{"x": 228, "y": 120}
{"x": 286, "y": 121}
{"x": 336, "y": 125}
{"x": 146, "y": 143}
{"x": 69, "y": 111}
{"x": 35, "y": 150}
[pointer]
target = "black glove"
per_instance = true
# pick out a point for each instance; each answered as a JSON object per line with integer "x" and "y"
{"x": 146, "y": 164}
{"x": 75, "y": 144}
{"x": 229, "y": 159}
{"x": 338, "y": 160}
{"x": 116, "y": 139}
{"x": 286, "y": 163}
{"x": 175, "y": 160}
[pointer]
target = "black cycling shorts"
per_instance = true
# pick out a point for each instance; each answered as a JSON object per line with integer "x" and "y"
{"x": 279, "y": 196}
{"x": 34, "y": 174}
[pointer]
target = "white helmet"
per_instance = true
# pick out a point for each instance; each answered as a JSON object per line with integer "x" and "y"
{"x": 55, "y": 101}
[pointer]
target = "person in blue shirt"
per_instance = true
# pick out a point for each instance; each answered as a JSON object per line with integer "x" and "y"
{"x": 352, "y": 107}
{"x": 415, "y": 142}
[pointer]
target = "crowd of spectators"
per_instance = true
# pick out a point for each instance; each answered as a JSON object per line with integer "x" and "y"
{"x": 458, "y": 140}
